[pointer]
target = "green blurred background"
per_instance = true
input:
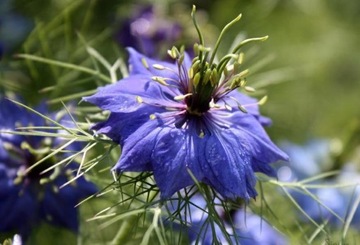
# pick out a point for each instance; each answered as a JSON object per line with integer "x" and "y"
{"x": 313, "y": 45}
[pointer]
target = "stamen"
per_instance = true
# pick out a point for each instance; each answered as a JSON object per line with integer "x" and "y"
{"x": 241, "y": 108}
{"x": 144, "y": 62}
{"x": 206, "y": 78}
{"x": 212, "y": 104}
{"x": 227, "y": 107}
{"x": 244, "y": 73}
{"x": 241, "y": 58}
{"x": 160, "y": 80}
{"x": 196, "y": 49}
{"x": 182, "y": 96}
{"x": 174, "y": 53}
{"x": 159, "y": 67}
{"x": 214, "y": 78}
{"x": 263, "y": 100}
{"x": 196, "y": 79}
{"x": 249, "y": 89}
{"x": 202, "y": 134}
{"x": 139, "y": 99}
{"x": 243, "y": 83}
{"x": 55, "y": 189}
{"x": 18, "y": 180}
{"x": 10, "y": 147}
{"x": 52, "y": 177}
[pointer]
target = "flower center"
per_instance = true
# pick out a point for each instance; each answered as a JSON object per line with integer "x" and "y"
{"x": 26, "y": 160}
{"x": 37, "y": 172}
{"x": 207, "y": 82}
{"x": 197, "y": 105}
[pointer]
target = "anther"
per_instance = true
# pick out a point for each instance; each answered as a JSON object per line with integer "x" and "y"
{"x": 202, "y": 134}
{"x": 263, "y": 100}
{"x": 214, "y": 77}
{"x": 160, "y": 80}
{"x": 241, "y": 108}
{"x": 249, "y": 89}
{"x": 182, "y": 96}
{"x": 159, "y": 67}
{"x": 144, "y": 62}
{"x": 196, "y": 79}
{"x": 139, "y": 99}
{"x": 206, "y": 76}
{"x": 227, "y": 107}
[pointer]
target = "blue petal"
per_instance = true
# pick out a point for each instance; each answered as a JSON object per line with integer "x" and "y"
{"x": 172, "y": 160}
{"x": 56, "y": 204}
{"x": 18, "y": 209}
{"x": 137, "y": 66}
{"x": 59, "y": 210}
{"x": 119, "y": 126}
{"x": 227, "y": 165}
{"x": 122, "y": 96}
{"x": 256, "y": 142}
{"x": 253, "y": 229}
{"x": 138, "y": 147}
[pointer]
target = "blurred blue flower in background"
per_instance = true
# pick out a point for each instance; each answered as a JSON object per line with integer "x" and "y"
{"x": 149, "y": 32}
{"x": 170, "y": 122}
{"x": 253, "y": 229}
{"x": 306, "y": 161}
{"x": 243, "y": 227}
{"x": 328, "y": 204}
{"x": 13, "y": 28}
{"x": 30, "y": 196}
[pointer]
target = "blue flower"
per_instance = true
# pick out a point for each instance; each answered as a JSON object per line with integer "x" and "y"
{"x": 306, "y": 160}
{"x": 328, "y": 204}
{"x": 172, "y": 121}
{"x": 147, "y": 31}
{"x": 253, "y": 229}
{"x": 28, "y": 197}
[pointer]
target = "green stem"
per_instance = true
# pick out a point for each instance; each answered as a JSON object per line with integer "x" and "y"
{"x": 213, "y": 215}
{"x": 122, "y": 237}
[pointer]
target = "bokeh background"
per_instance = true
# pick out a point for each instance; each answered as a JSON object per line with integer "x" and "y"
{"x": 313, "y": 47}
{"x": 310, "y": 64}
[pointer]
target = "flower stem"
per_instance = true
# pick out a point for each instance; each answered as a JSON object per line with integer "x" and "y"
{"x": 125, "y": 231}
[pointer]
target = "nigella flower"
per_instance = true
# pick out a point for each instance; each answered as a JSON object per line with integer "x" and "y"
{"x": 306, "y": 160}
{"x": 328, "y": 203}
{"x": 187, "y": 119}
{"x": 148, "y": 31}
{"x": 334, "y": 205}
{"x": 27, "y": 196}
